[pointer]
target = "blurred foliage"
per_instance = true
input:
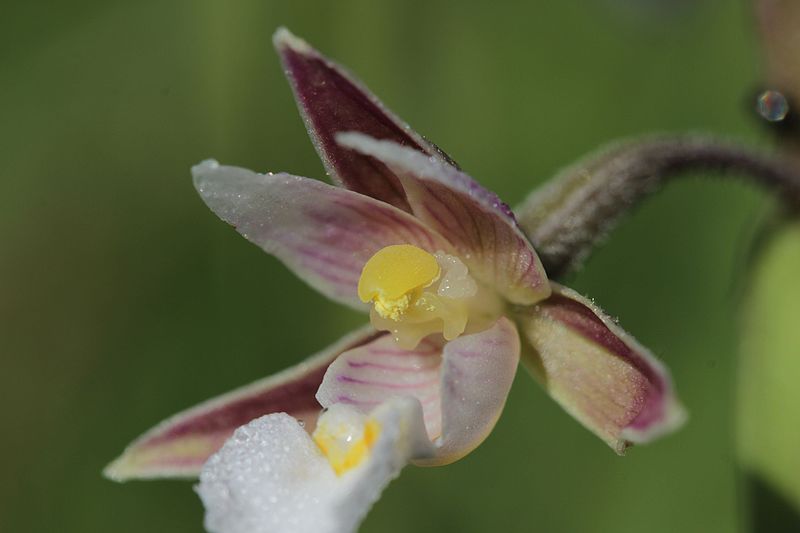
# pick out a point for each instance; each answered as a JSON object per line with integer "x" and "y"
{"x": 769, "y": 510}
{"x": 768, "y": 429}
{"x": 124, "y": 299}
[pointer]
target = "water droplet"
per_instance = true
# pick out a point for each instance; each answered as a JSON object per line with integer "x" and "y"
{"x": 772, "y": 106}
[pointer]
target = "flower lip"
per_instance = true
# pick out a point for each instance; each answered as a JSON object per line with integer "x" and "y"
{"x": 272, "y": 477}
{"x": 461, "y": 385}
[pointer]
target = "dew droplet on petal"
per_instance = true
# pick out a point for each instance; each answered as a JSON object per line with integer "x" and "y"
{"x": 772, "y": 106}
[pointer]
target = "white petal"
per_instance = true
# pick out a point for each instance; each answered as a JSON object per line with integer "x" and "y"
{"x": 324, "y": 234}
{"x": 271, "y": 477}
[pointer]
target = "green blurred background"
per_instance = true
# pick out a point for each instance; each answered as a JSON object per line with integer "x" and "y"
{"x": 123, "y": 299}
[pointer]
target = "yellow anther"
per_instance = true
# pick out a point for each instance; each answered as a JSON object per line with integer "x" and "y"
{"x": 343, "y": 448}
{"x": 393, "y": 277}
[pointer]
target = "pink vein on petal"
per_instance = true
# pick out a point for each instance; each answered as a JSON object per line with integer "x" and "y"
{"x": 388, "y": 385}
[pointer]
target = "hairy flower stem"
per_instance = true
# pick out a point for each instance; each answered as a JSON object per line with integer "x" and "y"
{"x": 570, "y": 215}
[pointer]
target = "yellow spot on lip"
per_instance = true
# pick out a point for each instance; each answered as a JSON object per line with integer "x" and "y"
{"x": 342, "y": 450}
{"x": 392, "y": 277}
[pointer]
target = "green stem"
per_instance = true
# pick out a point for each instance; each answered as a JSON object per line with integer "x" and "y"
{"x": 570, "y": 215}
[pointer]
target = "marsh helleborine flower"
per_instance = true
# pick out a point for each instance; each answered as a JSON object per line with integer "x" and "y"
{"x": 455, "y": 293}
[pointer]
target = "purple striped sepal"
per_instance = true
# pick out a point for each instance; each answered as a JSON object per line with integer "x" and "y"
{"x": 598, "y": 372}
{"x": 179, "y": 446}
{"x": 332, "y": 100}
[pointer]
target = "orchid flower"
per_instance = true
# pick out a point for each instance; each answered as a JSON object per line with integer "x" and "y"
{"x": 456, "y": 295}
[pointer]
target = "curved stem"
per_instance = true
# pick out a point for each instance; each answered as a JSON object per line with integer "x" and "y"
{"x": 571, "y": 214}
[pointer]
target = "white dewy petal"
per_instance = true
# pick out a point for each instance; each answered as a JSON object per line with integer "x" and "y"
{"x": 271, "y": 477}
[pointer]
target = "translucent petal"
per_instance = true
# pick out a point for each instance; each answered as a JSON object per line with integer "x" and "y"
{"x": 477, "y": 374}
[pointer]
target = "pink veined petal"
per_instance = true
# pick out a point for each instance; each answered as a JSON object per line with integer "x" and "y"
{"x": 325, "y": 234}
{"x": 481, "y": 227}
{"x": 366, "y": 376}
{"x": 598, "y": 372}
{"x": 330, "y": 100}
{"x": 178, "y": 446}
{"x": 462, "y": 385}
